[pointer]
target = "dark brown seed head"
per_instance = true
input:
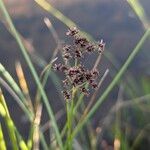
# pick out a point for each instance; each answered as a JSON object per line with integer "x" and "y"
{"x": 67, "y": 55}
{"x": 77, "y": 75}
{"x": 63, "y": 68}
{"x": 65, "y": 82}
{"x": 60, "y": 67}
{"x": 57, "y": 67}
{"x": 101, "y": 46}
{"x": 67, "y": 48}
{"x": 81, "y": 68}
{"x": 90, "y": 47}
{"x": 95, "y": 72}
{"x": 85, "y": 91}
{"x": 94, "y": 85}
{"x": 78, "y": 54}
{"x": 66, "y": 94}
{"x": 82, "y": 42}
{"x": 72, "y": 31}
{"x": 88, "y": 75}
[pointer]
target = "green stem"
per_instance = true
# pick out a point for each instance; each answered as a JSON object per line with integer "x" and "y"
{"x": 33, "y": 71}
{"x": 22, "y": 102}
{"x": 9, "y": 124}
{"x": 2, "y": 141}
{"x": 70, "y": 108}
{"x": 68, "y": 126}
{"x": 12, "y": 130}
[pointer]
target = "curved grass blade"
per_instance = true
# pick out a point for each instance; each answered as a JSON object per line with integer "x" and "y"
{"x": 33, "y": 71}
{"x": 139, "y": 10}
{"x": 15, "y": 90}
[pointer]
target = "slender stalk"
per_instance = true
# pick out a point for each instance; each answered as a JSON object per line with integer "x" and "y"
{"x": 22, "y": 144}
{"x": 23, "y": 84}
{"x": 9, "y": 124}
{"x": 70, "y": 108}
{"x": 33, "y": 71}
{"x": 14, "y": 89}
{"x": 12, "y": 130}
{"x": 68, "y": 125}
{"x": 113, "y": 83}
{"x": 79, "y": 101}
{"x": 2, "y": 140}
{"x": 17, "y": 99}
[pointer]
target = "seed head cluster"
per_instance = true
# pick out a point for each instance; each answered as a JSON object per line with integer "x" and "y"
{"x": 78, "y": 75}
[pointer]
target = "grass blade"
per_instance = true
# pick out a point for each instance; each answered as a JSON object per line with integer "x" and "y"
{"x": 33, "y": 71}
{"x": 9, "y": 123}
{"x": 138, "y": 9}
{"x": 15, "y": 91}
{"x": 2, "y": 141}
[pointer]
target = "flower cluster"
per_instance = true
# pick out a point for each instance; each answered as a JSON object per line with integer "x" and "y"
{"x": 77, "y": 75}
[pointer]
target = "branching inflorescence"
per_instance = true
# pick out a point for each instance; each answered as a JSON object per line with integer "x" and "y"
{"x": 77, "y": 75}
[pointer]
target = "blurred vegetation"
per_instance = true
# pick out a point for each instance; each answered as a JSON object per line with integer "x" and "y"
{"x": 125, "y": 126}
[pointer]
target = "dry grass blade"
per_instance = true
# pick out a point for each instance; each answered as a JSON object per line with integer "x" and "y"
{"x": 55, "y": 36}
{"x": 36, "y": 132}
{"x": 52, "y": 29}
{"x": 23, "y": 84}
